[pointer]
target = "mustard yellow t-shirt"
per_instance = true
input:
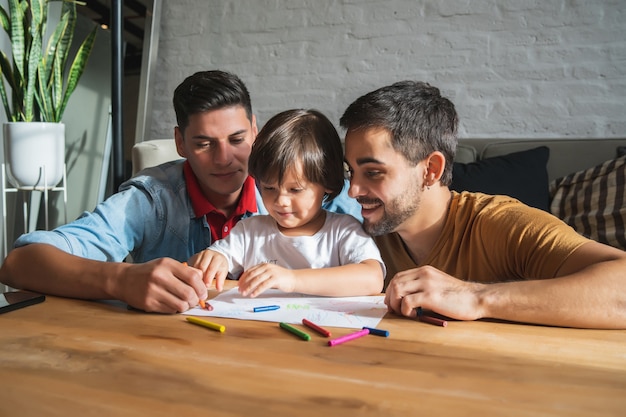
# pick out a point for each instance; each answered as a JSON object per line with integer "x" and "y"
{"x": 489, "y": 239}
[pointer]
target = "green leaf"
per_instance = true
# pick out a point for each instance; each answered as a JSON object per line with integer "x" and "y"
{"x": 7, "y": 70}
{"x": 4, "y": 65}
{"x": 37, "y": 28}
{"x": 42, "y": 95}
{"x": 77, "y": 68}
{"x": 5, "y": 21}
{"x": 31, "y": 80}
{"x": 69, "y": 10}
{"x": 53, "y": 68}
{"x": 17, "y": 37}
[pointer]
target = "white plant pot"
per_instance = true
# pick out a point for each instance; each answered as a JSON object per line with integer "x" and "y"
{"x": 34, "y": 154}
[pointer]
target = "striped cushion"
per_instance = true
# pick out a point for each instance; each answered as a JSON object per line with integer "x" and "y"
{"x": 593, "y": 202}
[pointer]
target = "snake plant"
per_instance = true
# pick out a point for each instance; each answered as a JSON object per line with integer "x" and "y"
{"x": 39, "y": 81}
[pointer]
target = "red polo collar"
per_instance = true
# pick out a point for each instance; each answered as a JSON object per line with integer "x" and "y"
{"x": 220, "y": 225}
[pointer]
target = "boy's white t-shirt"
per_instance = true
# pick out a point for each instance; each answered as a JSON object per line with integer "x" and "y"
{"x": 256, "y": 239}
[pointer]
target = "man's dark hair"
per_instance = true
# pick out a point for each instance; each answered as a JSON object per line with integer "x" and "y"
{"x": 209, "y": 90}
{"x": 300, "y": 135}
{"x": 418, "y": 118}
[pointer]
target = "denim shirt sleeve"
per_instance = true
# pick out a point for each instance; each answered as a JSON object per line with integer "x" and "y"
{"x": 108, "y": 233}
{"x": 150, "y": 217}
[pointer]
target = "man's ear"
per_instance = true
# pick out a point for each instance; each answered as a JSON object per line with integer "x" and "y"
{"x": 178, "y": 137}
{"x": 255, "y": 129}
{"x": 435, "y": 164}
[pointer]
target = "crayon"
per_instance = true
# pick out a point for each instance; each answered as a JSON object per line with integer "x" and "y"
{"x": 429, "y": 319}
{"x": 203, "y": 303}
{"x": 315, "y": 327}
{"x": 265, "y": 308}
{"x": 302, "y": 335}
{"x": 205, "y": 323}
{"x": 433, "y": 320}
{"x": 378, "y": 332}
{"x": 348, "y": 337}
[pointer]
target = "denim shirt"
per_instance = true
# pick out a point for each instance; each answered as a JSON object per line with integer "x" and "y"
{"x": 150, "y": 217}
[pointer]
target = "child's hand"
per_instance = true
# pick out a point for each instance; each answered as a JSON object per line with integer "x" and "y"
{"x": 213, "y": 266}
{"x": 262, "y": 277}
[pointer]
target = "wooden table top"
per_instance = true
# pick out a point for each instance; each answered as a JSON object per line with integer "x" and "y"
{"x": 68, "y": 357}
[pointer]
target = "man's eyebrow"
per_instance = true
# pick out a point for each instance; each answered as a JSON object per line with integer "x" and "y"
{"x": 202, "y": 137}
{"x": 239, "y": 132}
{"x": 206, "y": 137}
{"x": 368, "y": 160}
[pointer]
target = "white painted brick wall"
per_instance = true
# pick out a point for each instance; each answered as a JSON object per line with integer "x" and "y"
{"x": 513, "y": 68}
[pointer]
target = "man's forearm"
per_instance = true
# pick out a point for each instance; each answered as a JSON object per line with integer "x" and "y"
{"x": 591, "y": 298}
{"x": 46, "y": 269}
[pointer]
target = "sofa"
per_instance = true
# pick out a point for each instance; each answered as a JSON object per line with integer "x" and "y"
{"x": 580, "y": 181}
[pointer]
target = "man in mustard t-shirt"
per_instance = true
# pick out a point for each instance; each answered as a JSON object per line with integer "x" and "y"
{"x": 466, "y": 255}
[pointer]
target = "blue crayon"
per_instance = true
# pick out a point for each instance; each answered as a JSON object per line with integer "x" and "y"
{"x": 265, "y": 308}
{"x": 378, "y": 332}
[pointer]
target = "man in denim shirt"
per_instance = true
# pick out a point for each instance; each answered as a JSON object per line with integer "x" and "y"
{"x": 162, "y": 216}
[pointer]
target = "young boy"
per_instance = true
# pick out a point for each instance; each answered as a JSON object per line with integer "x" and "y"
{"x": 297, "y": 161}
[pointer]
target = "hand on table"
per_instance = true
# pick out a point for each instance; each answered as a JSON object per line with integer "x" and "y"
{"x": 162, "y": 286}
{"x": 431, "y": 289}
{"x": 264, "y": 276}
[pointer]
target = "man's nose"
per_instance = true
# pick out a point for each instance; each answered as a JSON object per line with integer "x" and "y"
{"x": 222, "y": 154}
{"x": 355, "y": 189}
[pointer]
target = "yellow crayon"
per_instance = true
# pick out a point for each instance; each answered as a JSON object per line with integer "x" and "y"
{"x": 206, "y": 323}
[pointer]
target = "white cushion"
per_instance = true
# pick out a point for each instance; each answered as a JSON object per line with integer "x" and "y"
{"x": 153, "y": 152}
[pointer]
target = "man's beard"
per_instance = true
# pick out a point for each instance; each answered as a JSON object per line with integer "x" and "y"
{"x": 394, "y": 213}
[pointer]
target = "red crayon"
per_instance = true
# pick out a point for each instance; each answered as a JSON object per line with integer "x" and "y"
{"x": 433, "y": 320}
{"x": 315, "y": 327}
{"x": 428, "y": 319}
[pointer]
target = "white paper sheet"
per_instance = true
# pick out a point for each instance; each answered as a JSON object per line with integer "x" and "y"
{"x": 348, "y": 312}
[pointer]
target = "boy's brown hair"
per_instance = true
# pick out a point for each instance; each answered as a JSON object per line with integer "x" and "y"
{"x": 298, "y": 135}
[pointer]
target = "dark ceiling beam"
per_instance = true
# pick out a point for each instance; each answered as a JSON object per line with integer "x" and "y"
{"x": 100, "y": 9}
{"x": 133, "y": 29}
{"x": 105, "y": 15}
{"x": 136, "y": 7}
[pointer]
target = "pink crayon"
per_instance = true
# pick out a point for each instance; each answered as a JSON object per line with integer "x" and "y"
{"x": 348, "y": 337}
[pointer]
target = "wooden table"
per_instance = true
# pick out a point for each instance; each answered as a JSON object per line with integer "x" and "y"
{"x": 67, "y": 357}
